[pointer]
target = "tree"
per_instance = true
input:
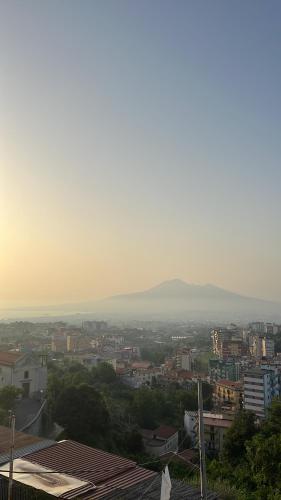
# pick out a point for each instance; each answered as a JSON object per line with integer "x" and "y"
{"x": 82, "y": 412}
{"x": 241, "y": 431}
{"x": 134, "y": 442}
{"x": 8, "y": 396}
{"x": 263, "y": 456}
{"x": 104, "y": 373}
{"x": 272, "y": 425}
{"x": 147, "y": 407}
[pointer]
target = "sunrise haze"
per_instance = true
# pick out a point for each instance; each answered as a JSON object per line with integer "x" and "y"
{"x": 139, "y": 142}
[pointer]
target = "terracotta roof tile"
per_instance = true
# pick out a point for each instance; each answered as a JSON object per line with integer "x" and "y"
{"x": 165, "y": 431}
{"x": 10, "y": 358}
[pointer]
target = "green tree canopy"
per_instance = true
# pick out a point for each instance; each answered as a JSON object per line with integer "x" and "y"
{"x": 104, "y": 373}
{"x": 241, "y": 431}
{"x": 82, "y": 412}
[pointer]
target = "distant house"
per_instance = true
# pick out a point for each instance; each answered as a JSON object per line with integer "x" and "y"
{"x": 25, "y": 371}
{"x": 159, "y": 441}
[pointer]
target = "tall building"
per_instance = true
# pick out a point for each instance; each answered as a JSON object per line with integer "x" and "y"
{"x": 260, "y": 386}
{"x": 228, "y": 343}
{"x": 261, "y": 346}
{"x": 267, "y": 347}
{"x": 184, "y": 359}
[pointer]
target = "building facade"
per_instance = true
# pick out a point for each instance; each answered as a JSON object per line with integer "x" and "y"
{"x": 27, "y": 372}
{"x": 224, "y": 369}
{"x": 260, "y": 387}
{"x": 228, "y": 395}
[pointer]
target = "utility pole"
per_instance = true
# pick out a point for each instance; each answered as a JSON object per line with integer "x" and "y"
{"x": 203, "y": 478}
{"x": 12, "y": 446}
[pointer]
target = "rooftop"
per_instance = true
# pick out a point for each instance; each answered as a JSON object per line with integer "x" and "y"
{"x": 229, "y": 383}
{"x": 152, "y": 491}
{"x": 141, "y": 365}
{"x": 10, "y": 358}
{"x": 104, "y": 471}
{"x": 217, "y": 422}
{"x": 256, "y": 372}
{"x": 165, "y": 431}
{"x": 21, "y": 439}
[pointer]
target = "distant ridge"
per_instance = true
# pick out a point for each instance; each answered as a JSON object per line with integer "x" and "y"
{"x": 177, "y": 299}
{"x": 170, "y": 300}
{"x": 179, "y": 288}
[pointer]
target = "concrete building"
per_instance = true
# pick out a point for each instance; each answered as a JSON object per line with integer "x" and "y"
{"x": 184, "y": 359}
{"x": 215, "y": 427}
{"x": 228, "y": 395}
{"x": 261, "y": 346}
{"x": 77, "y": 343}
{"x": 27, "y": 372}
{"x": 94, "y": 326}
{"x": 162, "y": 440}
{"x": 224, "y": 369}
{"x": 191, "y": 425}
{"x": 267, "y": 347}
{"x": 228, "y": 343}
{"x": 260, "y": 386}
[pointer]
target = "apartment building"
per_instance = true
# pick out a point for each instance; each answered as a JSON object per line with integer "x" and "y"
{"x": 224, "y": 369}
{"x": 260, "y": 386}
{"x": 184, "y": 359}
{"x": 228, "y": 343}
{"x": 228, "y": 395}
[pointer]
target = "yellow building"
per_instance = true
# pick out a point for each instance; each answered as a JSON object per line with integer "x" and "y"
{"x": 228, "y": 395}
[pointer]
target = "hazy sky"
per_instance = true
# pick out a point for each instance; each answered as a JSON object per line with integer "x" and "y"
{"x": 139, "y": 141}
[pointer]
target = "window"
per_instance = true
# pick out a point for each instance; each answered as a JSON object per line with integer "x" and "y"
{"x": 26, "y": 374}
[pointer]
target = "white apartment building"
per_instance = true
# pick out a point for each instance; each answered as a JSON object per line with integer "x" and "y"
{"x": 184, "y": 359}
{"x": 260, "y": 386}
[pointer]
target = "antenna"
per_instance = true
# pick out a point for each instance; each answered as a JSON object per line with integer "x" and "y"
{"x": 203, "y": 478}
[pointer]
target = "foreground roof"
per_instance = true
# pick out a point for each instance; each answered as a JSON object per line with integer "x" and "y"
{"x": 150, "y": 490}
{"x": 24, "y": 444}
{"x": 102, "y": 471}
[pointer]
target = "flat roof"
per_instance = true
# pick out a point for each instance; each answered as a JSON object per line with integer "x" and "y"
{"x": 217, "y": 422}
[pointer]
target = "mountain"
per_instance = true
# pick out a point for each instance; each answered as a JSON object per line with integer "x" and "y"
{"x": 176, "y": 299}
{"x": 171, "y": 300}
